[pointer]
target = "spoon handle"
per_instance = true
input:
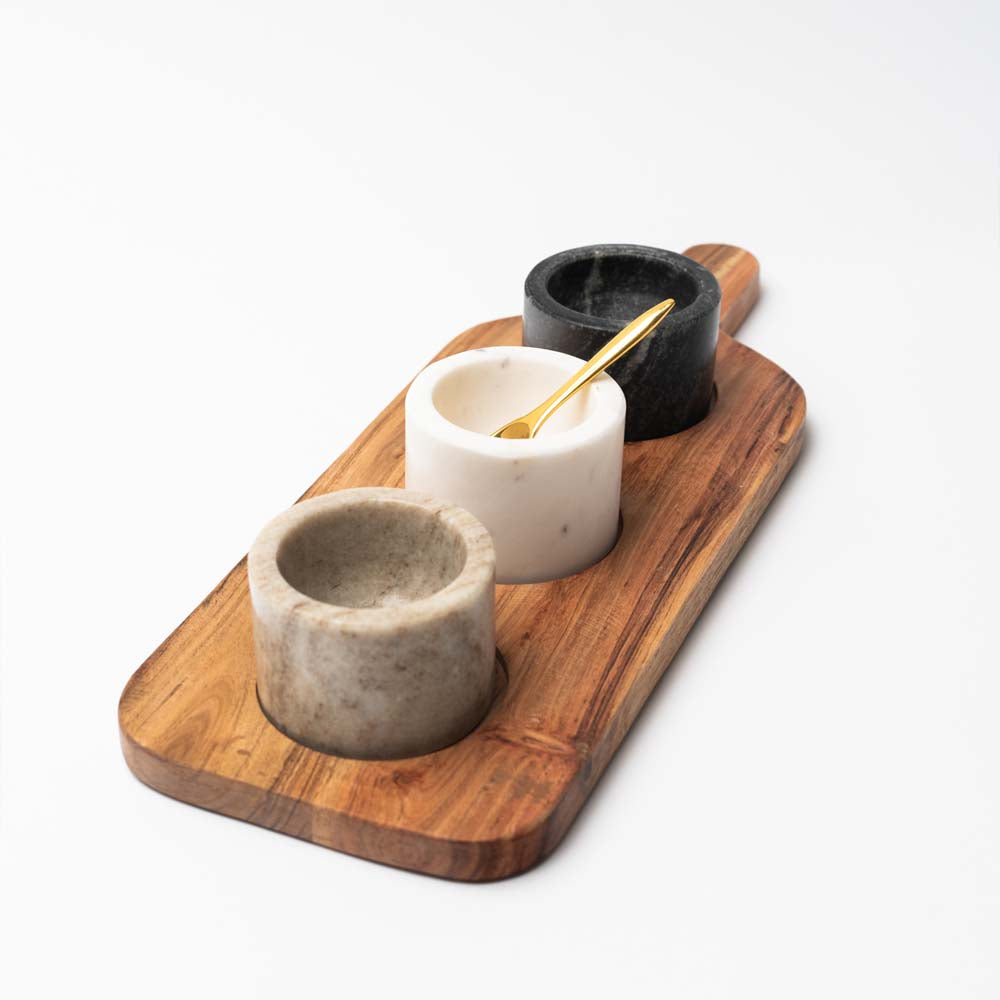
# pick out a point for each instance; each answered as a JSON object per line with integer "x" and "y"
{"x": 620, "y": 344}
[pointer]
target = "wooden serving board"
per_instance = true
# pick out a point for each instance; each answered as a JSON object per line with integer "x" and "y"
{"x": 582, "y": 654}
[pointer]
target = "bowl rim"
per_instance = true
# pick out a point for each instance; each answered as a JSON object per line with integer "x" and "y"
{"x": 272, "y": 594}
{"x": 608, "y": 410}
{"x": 536, "y": 291}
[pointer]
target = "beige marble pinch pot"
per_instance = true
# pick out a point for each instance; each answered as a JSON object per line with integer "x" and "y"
{"x": 373, "y": 615}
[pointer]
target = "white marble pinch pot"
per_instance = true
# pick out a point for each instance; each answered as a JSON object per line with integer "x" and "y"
{"x": 551, "y": 503}
{"x": 373, "y": 617}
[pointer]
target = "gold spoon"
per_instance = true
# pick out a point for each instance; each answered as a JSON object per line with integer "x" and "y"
{"x": 619, "y": 345}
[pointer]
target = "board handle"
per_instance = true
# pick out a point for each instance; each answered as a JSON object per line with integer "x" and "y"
{"x": 738, "y": 274}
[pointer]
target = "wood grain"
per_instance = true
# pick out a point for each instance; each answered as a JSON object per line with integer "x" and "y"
{"x": 582, "y": 653}
{"x": 738, "y": 274}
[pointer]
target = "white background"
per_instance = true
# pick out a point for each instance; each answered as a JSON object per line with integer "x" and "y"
{"x": 229, "y": 233}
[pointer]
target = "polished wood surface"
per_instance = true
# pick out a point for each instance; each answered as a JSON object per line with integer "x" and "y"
{"x": 582, "y": 654}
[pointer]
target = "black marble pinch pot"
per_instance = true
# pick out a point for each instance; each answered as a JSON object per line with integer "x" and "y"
{"x": 577, "y": 300}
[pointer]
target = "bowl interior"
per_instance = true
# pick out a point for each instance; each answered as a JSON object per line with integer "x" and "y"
{"x": 619, "y": 286}
{"x": 372, "y": 555}
{"x": 498, "y": 387}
